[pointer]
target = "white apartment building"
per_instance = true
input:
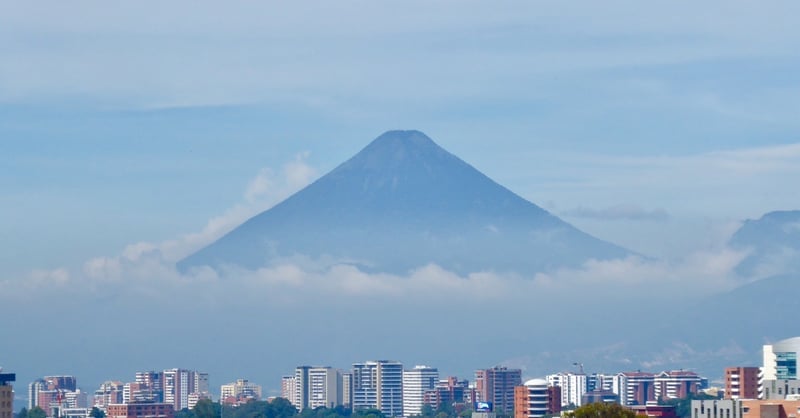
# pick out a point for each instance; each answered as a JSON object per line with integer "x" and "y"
{"x": 415, "y": 383}
{"x": 347, "y": 389}
{"x": 240, "y": 389}
{"x": 324, "y": 387}
{"x": 288, "y": 386}
{"x": 378, "y": 385}
{"x": 178, "y": 384}
{"x": 317, "y": 386}
{"x": 573, "y": 386}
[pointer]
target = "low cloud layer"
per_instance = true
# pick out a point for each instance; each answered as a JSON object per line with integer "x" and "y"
{"x": 328, "y": 311}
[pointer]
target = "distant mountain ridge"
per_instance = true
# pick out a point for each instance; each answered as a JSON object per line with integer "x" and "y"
{"x": 773, "y": 242}
{"x": 403, "y": 202}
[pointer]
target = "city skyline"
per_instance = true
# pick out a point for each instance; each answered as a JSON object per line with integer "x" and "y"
{"x": 136, "y": 134}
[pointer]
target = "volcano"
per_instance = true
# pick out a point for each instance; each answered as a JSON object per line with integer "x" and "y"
{"x": 401, "y": 203}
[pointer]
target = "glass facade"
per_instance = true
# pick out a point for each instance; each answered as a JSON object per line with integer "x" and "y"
{"x": 786, "y": 365}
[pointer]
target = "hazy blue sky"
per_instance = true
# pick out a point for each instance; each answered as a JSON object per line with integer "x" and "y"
{"x": 140, "y": 121}
{"x": 656, "y": 125}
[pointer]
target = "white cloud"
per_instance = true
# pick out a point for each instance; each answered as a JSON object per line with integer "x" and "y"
{"x": 262, "y": 192}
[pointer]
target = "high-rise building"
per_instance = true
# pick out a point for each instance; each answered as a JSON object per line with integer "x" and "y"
{"x": 239, "y": 391}
{"x": 536, "y": 399}
{"x": 288, "y": 389}
{"x": 416, "y": 382}
{"x": 676, "y": 384}
{"x": 75, "y": 400}
{"x": 64, "y": 383}
{"x": 600, "y": 381}
{"x": 7, "y": 395}
{"x": 34, "y": 388}
{"x": 378, "y": 385}
{"x": 573, "y": 386}
{"x": 780, "y": 360}
{"x": 316, "y": 387}
{"x": 200, "y": 383}
{"x": 110, "y": 392}
{"x": 324, "y": 387}
{"x": 496, "y": 385}
{"x": 741, "y": 383}
{"x": 347, "y": 389}
{"x": 450, "y": 392}
{"x": 178, "y": 384}
{"x": 635, "y": 388}
{"x": 301, "y": 387}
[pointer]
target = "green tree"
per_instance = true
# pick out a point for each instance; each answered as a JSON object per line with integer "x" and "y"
{"x": 206, "y": 408}
{"x": 184, "y": 413}
{"x": 36, "y": 412}
{"x": 23, "y": 413}
{"x": 97, "y": 413}
{"x": 602, "y": 410}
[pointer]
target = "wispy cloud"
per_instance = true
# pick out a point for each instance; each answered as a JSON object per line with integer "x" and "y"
{"x": 262, "y": 192}
{"x": 619, "y": 212}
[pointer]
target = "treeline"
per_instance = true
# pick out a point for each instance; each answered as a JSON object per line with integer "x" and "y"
{"x": 282, "y": 408}
{"x": 278, "y": 408}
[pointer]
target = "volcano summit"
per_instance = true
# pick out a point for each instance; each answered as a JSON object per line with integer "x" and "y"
{"x": 401, "y": 203}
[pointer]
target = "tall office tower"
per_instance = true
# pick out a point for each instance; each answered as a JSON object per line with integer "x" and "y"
{"x": 416, "y": 382}
{"x": 301, "y": 387}
{"x": 635, "y": 388}
{"x": 239, "y": 391}
{"x": 448, "y": 392}
{"x": 7, "y": 395}
{"x": 496, "y": 385}
{"x": 600, "y": 382}
{"x": 199, "y": 383}
{"x": 178, "y": 384}
{"x": 378, "y": 385}
{"x": 780, "y": 360}
{"x": 324, "y": 387}
{"x": 573, "y": 387}
{"x": 61, "y": 383}
{"x": 288, "y": 386}
{"x": 150, "y": 379}
{"x": 34, "y": 388}
{"x": 147, "y": 387}
{"x": 536, "y": 399}
{"x": 676, "y": 384}
{"x": 110, "y": 392}
{"x": 741, "y": 383}
{"x": 76, "y": 399}
{"x": 347, "y": 389}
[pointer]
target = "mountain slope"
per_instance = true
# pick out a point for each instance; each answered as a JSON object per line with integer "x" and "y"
{"x": 403, "y": 202}
{"x": 773, "y": 242}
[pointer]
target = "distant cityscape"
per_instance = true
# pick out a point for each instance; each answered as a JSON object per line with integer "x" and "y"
{"x": 396, "y": 391}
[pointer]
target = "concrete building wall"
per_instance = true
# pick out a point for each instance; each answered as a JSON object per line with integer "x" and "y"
{"x": 6, "y": 401}
{"x": 741, "y": 383}
{"x": 726, "y": 408}
{"x": 779, "y": 389}
{"x": 770, "y": 408}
